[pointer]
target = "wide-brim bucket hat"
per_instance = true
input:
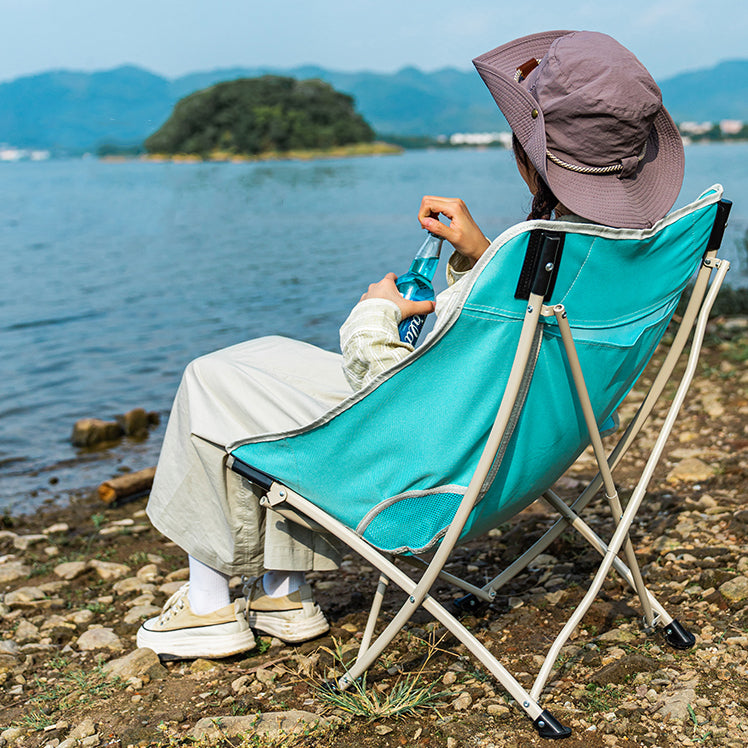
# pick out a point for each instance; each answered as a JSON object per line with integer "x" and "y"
{"x": 590, "y": 118}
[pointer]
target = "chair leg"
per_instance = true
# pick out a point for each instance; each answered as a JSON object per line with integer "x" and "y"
{"x": 376, "y": 606}
{"x": 659, "y": 614}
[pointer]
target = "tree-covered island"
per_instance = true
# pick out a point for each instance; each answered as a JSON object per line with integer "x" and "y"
{"x": 255, "y": 116}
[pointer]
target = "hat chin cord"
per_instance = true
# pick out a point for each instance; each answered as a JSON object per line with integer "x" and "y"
{"x": 627, "y": 166}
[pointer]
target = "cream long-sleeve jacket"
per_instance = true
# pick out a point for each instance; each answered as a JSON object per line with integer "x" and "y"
{"x": 369, "y": 339}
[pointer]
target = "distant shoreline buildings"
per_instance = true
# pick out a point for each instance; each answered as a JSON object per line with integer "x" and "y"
{"x": 691, "y": 132}
{"x": 10, "y": 153}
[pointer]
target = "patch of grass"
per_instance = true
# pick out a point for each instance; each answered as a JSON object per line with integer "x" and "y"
{"x": 139, "y": 558}
{"x": 75, "y": 687}
{"x": 601, "y": 698}
{"x": 59, "y": 662}
{"x": 407, "y": 696}
{"x": 97, "y": 607}
{"x": 239, "y": 709}
{"x": 36, "y": 720}
{"x": 263, "y": 645}
{"x": 42, "y": 568}
{"x": 738, "y": 353}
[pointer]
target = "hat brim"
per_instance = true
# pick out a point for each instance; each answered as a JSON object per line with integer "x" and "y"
{"x": 634, "y": 202}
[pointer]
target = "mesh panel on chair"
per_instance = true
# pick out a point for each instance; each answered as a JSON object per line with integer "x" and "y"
{"x": 426, "y": 513}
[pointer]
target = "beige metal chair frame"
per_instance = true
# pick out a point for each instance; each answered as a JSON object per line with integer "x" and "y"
{"x": 295, "y": 507}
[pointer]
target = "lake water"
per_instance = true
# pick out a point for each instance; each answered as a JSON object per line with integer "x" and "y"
{"x": 114, "y": 275}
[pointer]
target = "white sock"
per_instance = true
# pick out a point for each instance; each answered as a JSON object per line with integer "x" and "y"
{"x": 278, "y": 583}
{"x": 209, "y": 588}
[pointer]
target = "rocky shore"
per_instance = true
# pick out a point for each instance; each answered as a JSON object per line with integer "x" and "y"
{"x": 76, "y": 582}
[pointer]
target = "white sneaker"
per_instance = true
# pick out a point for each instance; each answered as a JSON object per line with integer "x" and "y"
{"x": 291, "y": 618}
{"x": 178, "y": 633}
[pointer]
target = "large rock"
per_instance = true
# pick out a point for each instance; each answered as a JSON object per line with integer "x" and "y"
{"x": 24, "y": 542}
{"x": 70, "y": 569}
{"x": 136, "y": 422}
{"x": 26, "y": 632}
{"x": 132, "y": 584}
{"x": 108, "y": 570}
{"x": 735, "y": 590}
{"x": 271, "y": 725}
{"x": 83, "y": 729}
{"x": 99, "y": 638}
{"x": 139, "y": 612}
{"x": 89, "y": 432}
{"x": 462, "y": 702}
{"x": 676, "y": 703}
{"x": 24, "y": 595}
{"x": 690, "y": 470}
{"x": 9, "y": 647}
{"x": 618, "y": 636}
{"x": 138, "y": 663}
{"x": 12, "y": 570}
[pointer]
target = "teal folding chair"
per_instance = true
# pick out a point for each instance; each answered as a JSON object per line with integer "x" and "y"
{"x": 557, "y": 323}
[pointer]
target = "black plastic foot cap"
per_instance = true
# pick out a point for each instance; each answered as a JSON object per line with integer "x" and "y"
{"x": 549, "y": 727}
{"x": 678, "y": 636}
{"x": 469, "y": 605}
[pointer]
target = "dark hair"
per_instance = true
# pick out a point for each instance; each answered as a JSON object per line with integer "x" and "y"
{"x": 543, "y": 201}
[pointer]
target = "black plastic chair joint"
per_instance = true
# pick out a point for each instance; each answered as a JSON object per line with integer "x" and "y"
{"x": 253, "y": 475}
{"x": 540, "y": 267}
{"x": 720, "y": 224}
{"x": 469, "y": 605}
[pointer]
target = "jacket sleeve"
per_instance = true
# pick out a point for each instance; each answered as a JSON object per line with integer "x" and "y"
{"x": 370, "y": 342}
{"x": 369, "y": 339}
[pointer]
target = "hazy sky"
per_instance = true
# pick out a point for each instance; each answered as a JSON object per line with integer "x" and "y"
{"x": 172, "y": 37}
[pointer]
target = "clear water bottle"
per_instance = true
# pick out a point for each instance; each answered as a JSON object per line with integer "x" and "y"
{"x": 416, "y": 284}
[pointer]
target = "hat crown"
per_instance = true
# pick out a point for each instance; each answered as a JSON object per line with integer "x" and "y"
{"x": 598, "y": 101}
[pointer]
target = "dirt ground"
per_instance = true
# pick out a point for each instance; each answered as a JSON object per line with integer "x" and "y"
{"x": 614, "y": 684}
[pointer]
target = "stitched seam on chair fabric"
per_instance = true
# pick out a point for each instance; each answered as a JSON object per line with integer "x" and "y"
{"x": 386, "y": 503}
{"x": 423, "y": 549}
{"x": 480, "y": 311}
{"x": 579, "y": 337}
{"x": 578, "y": 273}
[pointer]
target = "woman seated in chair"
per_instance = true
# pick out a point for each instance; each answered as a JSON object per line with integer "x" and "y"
{"x": 594, "y": 144}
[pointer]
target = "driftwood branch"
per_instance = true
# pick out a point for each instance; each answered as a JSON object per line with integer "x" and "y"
{"x": 126, "y": 485}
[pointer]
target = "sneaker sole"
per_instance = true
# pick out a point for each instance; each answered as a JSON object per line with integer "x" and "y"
{"x": 190, "y": 646}
{"x": 292, "y": 631}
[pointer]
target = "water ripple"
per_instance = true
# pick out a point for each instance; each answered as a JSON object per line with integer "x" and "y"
{"x": 50, "y": 321}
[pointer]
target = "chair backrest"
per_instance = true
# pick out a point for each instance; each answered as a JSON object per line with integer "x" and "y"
{"x": 394, "y": 460}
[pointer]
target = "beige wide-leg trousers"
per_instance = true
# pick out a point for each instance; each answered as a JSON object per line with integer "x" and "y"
{"x": 262, "y": 386}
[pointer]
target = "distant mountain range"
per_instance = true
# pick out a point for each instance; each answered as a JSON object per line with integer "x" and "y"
{"x": 74, "y": 112}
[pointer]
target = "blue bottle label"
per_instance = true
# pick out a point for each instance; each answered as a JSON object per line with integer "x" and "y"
{"x": 410, "y": 328}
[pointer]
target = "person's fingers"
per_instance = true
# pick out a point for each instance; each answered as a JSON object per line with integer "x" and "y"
{"x": 462, "y": 232}
{"x": 411, "y": 308}
{"x": 432, "y": 206}
{"x": 384, "y": 289}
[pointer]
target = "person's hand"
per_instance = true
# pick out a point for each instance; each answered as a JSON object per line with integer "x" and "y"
{"x": 462, "y": 232}
{"x": 386, "y": 289}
